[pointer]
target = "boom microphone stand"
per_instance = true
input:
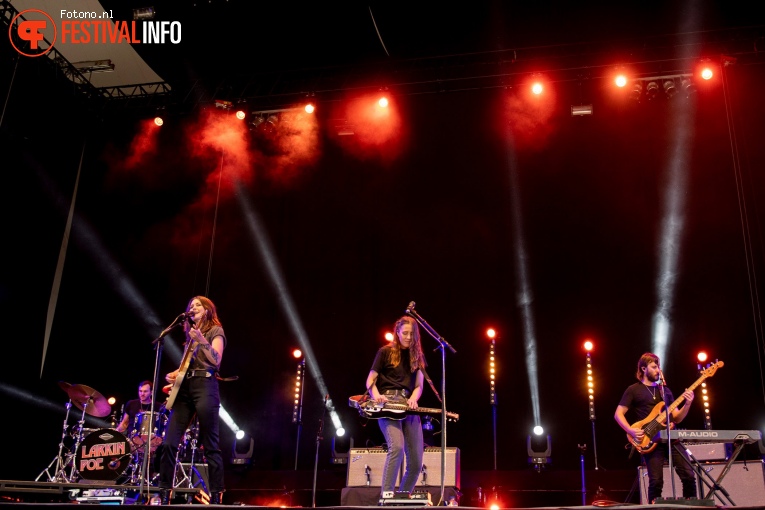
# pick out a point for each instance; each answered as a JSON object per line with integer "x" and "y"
{"x": 663, "y": 383}
{"x": 442, "y": 345}
{"x": 159, "y": 342}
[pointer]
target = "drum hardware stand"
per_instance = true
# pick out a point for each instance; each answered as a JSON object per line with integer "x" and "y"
{"x": 59, "y": 471}
{"x": 61, "y": 464}
{"x": 179, "y": 469}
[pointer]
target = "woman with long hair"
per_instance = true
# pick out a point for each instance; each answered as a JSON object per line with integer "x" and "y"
{"x": 396, "y": 376}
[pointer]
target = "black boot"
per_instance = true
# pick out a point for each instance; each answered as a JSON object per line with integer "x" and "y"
{"x": 216, "y": 498}
{"x": 165, "y": 495}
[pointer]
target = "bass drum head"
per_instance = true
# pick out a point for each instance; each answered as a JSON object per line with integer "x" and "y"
{"x": 103, "y": 455}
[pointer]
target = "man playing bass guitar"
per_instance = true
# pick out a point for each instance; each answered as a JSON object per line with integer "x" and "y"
{"x": 396, "y": 376}
{"x": 644, "y": 400}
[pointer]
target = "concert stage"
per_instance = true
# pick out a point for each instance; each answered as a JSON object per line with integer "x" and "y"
{"x": 511, "y": 489}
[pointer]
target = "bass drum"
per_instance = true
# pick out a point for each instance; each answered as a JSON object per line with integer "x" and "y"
{"x": 103, "y": 455}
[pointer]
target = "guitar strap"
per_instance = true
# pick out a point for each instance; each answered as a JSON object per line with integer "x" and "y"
{"x": 430, "y": 381}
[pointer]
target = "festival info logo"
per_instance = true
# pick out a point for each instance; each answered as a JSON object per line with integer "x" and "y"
{"x": 27, "y": 34}
{"x": 85, "y": 27}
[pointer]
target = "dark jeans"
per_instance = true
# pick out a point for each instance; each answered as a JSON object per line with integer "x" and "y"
{"x": 197, "y": 395}
{"x": 654, "y": 462}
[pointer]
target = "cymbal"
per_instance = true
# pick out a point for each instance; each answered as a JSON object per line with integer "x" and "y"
{"x": 97, "y": 405}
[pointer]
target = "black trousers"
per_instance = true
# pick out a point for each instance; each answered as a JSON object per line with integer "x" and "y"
{"x": 197, "y": 396}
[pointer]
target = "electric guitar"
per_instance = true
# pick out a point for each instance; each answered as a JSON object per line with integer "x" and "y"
{"x": 656, "y": 419}
{"x": 172, "y": 389}
{"x": 394, "y": 410}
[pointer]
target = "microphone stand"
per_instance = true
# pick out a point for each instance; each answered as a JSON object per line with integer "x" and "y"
{"x": 669, "y": 435}
{"x": 159, "y": 342}
{"x": 442, "y": 345}
{"x": 318, "y": 441}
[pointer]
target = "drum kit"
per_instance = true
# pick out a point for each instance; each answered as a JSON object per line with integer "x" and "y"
{"x": 106, "y": 455}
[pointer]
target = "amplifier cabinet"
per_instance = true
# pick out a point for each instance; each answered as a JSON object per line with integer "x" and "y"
{"x": 365, "y": 467}
{"x": 745, "y": 482}
{"x": 431, "y": 468}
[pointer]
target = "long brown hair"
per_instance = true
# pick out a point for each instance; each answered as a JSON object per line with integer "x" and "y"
{"x": 645, "y": 360}
{"x": 416, "y": 356}
{"x": 210, "y": 318}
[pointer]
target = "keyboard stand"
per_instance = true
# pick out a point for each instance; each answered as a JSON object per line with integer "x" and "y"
{"x": 703, "y": 476}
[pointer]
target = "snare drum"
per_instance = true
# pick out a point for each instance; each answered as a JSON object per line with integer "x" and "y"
{"x": 103, "y": 455}
{"x": 143, "y": 424}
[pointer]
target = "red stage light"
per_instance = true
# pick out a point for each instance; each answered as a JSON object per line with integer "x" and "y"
{"x": 620, "y": 80}
{"x": 382, "y": 102}
{"x": 701, "y": 356}
{"x": 240, "y": 115}
{"x": 537, "y": 88}
{"x": 707, "y": 73}
{"x": 297, "y": 353}
{"x": 158, "y": 120}
{"x": 490, "y": 333}
{"x": 389, "y": 336}
{"x": 309, "y": 108}
{"x": 588, "y": 345}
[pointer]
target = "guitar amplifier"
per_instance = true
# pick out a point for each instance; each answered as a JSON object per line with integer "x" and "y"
{"x": 745, "y": 482}
{"x": 431, "y": 468}
{"x": 365, "y": 467}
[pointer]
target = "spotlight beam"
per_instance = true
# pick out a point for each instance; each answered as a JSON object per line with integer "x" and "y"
{"x": 259, "y": 236}
{"x": 525, "y": 296}
{"x": 672, "y": 226}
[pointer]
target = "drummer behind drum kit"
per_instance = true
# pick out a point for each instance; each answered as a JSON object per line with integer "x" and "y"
{"x": 103, "y": 455}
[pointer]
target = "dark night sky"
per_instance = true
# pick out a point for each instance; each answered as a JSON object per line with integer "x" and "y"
{"x": 359, "y": 236}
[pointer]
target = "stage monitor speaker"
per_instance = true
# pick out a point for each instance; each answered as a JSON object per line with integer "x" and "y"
{"x": 745, "y": 483}
{"x": 365, "y": 467}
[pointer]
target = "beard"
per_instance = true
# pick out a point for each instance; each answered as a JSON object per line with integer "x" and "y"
{"x": 652, "y": 377}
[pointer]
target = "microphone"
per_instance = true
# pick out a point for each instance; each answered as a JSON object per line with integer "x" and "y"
{"x": 410, "y": 307}
{"x": 661, "y": 377}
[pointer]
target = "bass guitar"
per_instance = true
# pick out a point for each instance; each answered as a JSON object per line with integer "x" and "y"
{"x": 656, "y": 419}
{"x": 394, "y": 410}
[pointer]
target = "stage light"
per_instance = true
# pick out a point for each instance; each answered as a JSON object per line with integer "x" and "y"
{"x": 297, "y": 353}
{"x": 382, "y": 102}
{"x": 271, "y": 121}
{"x": 538, "y": 448}
{"x": 652, "y": 90}
{"x": 341, "y": 448}
{"x": 588, "y": 345}
{"x": 669, "y": 88}
{"x": 620, "y": 80}
{"x": 297, "y": 403}
{"x": 112, "y": 401}
{"x": 491, "y": 333}
{"x": 389, "y": 336}
{"x": 239, "y": 434}
{"x": 144, "y": 13}
{"x": 707, "y": 73}
{"x": 637, "y": 91}
{"x": 701, "y": 356}
{"x": 537, "y": 88}
{"x": 158, "y": 120}
{"x": 578, "y": 111}
{"x": 243, "y": 448}
{"x": 240, "y": 114}
{"x": 688, "y": 86}
{"x": 309, "y": 108}
{"x": 257, "y": 121}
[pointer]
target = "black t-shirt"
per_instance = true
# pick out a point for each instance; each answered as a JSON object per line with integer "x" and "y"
{"x": 641, "y": 399}
{"x": 132, "y": 408}
{"x": 392, "y": 377}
